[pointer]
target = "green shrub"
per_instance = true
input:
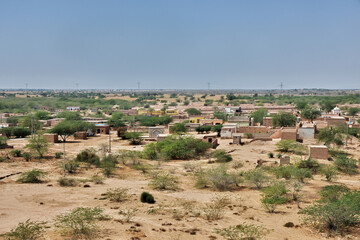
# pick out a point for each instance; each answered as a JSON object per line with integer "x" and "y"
{"x": 218, "y": 178}
{"x": 88, "y": 156}
{"x": 301, "y": 173}
{"x": 270, "y": 155}
{"x": 309, "y": 163}
{"x": 329, "y": 172}
{"x": 346, "y": 165}
{"x": 222, "y": 156}
{"x": 33, "y": 176}
{"x": 67, "y": 182}
{"x": 177, "y": 148}
{"x": 80, "y": 222}
{"x": 283, "y": 172}
{"x": 286, "y": 146}
{"x": 16, "y": 153}
{"x": 58, "y": 154}
{"x": 71, "y": 166}
{"x": 243, "y": 231}
{"x": 128, "y": 214}
{"x": 27, "y": 156}
{"x": 332, "y": 193}
{"x": 257, "y": 177}
{"x": 28, "y": 230}
{"x": 216, "y": 208}
{"x": 147, "y": 198}
{"x": 133, "y": 137}
{"x": 117, "y": 194}
{"x": 274, "y": 195}
{"x": 334, "y": 216}
{"x": 108, "y": 165}
{"x": 163, "y": 181}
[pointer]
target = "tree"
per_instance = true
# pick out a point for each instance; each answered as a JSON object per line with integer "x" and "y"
{"x": 217, "y": 128}
{"x": 39, "y": 145}
{"x": 65, "y": 129}
{"x": 330, "y": 135}
{"x": 310, "y": 114}
{"x": 353, "y": 111}
{"x": 20, "y": 132}
{"x": 328, "y": 106}
{"x": 69, "y": 115}
{"x": 220, "y": 115}
{"x": 301, "y": 105}
{"x": 31, "y": 123}
{"x": 7, "y": 131}
{"x": 133, "y": 137}
{"x": 193, "y": 111}
{"x": 178, "y": 128}
{"x": 284, "y": 119}
{"x": 259, "y": 115}
{"x": 42, "y": 115}
{"x": 116, "y": 120}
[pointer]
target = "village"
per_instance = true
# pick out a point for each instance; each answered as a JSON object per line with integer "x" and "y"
{"x": 213, "y": 170}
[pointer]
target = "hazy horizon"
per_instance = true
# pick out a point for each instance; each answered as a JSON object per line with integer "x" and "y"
{"x": 242, "y": 45}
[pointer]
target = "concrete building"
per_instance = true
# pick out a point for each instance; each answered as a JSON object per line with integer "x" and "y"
{"x": 237, "y": 138}
{"x": 51, "y": 137}
{"x": 240, "y": 120}
{"x": 307, "y": 131}
{"x": 289, "y": 134}
{"x": 267, "y": 121}
{"x": 73, "y": 109}
{"x": 228, "y": 129}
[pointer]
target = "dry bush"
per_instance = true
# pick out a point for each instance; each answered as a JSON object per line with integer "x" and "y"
{"x": 117, "y": 194}
{"x": 163, "y": 181}
{"x": 216, "y": 208}
{"x": 68, "y": 182}
{"x": 28, "y": 230}
{"x": 128, "y": 214}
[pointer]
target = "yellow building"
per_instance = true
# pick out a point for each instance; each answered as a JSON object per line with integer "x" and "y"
{"x": 143, "y": 112}
{"x": 157, "y": 113}
{"x": 195, "y": 119}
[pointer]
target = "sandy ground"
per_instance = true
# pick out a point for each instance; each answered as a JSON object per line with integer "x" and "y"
{"x": 43, "y": 202}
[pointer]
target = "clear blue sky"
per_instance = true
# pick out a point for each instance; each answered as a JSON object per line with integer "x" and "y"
{"x": 242, "y": 44}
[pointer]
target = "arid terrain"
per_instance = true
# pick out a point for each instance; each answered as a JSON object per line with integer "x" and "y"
{"x": 175, "y": 215}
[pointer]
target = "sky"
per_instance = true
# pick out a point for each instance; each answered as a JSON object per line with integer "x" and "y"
{"x": 180, "y": 44}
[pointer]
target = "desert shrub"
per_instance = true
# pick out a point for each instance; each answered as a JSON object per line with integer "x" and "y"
{"x": 163, "y": 181}
{"x": 67, "y": 182}
{"x": 218, "y": 178}
{"x": 176, "y": 148}
{"x": 332, "y": 193}
{"x": 329, "y": 172}
{"x": 274, "y": 195}
{"x": 256, "y": 177}
{"x": 334, "y": 216}
{"x": 27, "y": 156}
{"x": 15, "y": 153}
{"x": 3, "y": 141}
{"x": 346, "y": 165}
{"x": 243, "y": 231}
{"x": 133, "y": 137}
{"x": 80, "y": 222}
{"x": 38, "y": 145}
{"x": 279, "y": 155}
{"x": 33, "y": 176}
{"x": 108, "y": 165}
{"x": 71, "y": 166}
{"x": 128, "y": 158}
{"x": 301, "y": 173}
{"x": 222, "y": 156}
{"x": 286, "y": 146}
{"x": 191, "y": 166}
{"x": 88, "y": 156}
{"x": 237, "y": 164}
{"x": 283, "y": 172}
{"x": 28, "y": 230}
{"x": 271, "y": 155}
{"x": 309, "y": 163}
{"x": 58, "y": 155}
{"x": 117, "y": 194}
{"x": 97, "y": 179}
{"x": 147, "y": 198}
{"x": 216, "y": 208}
{"x": 128, "y": 214}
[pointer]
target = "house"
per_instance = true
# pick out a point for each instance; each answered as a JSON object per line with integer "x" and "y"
{"x": 171, "y": 112}
{"x": 195, "y": 119}
{"x": 307, "y": 131}
{"x": 336, "y": 111}
{"x": 335, "y": 121}
{"x": 228, "y": 129}
{"x": 237, "y": 138}
{"x": 73, "y": 109}
{"x": 154, "y": 132}
{"x": 319, "y": 152}
{"x": 289, "y": 134}
{"x": 232, "y": 110}
{"x": 267, "y": 121}
{"x": 102, "y": 128}
{"x": 212, "y": 139}
{"x": 240, "y": 120}
{"x": 211, "y": 122}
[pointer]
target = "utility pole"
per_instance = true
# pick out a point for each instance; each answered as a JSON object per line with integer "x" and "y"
{"x": 138, "y": 83}
{"x": 281, "y": 86}
{"x": 208, "y": 85}
{"x": 109, "y": 140}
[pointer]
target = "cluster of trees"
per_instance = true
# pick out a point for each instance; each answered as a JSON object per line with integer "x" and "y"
{"x": 177, "y": 148}
{"x": 18, "y": 132}
{"x": 150, "y": 121}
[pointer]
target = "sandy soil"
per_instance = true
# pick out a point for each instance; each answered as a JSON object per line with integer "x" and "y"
{"x": 44, "y": 202}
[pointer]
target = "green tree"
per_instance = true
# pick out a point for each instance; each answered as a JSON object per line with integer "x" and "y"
{"x": 310, "y": 114}
{"x": 259, "y": 115}
{"x": 178, "y": 128}
{"x": 20, "y": 132}
{"x": 69, "y": 115}
{"x": 330, "y": 135}
{"x": 133, "y": 137}
{"x": 32, "y": 123}
{"x": 220, "y": 115}
{"x": 301, "y": 105}
{"x": 39, "y": 145}
{"x": 116, "y": 120}
{"x": 328, "y": 106}
{"x": 42, "y": 115}
{"x": 284, "y": 119}
{"x": 353, "y": 111}
{"x": 193, "y": 111}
